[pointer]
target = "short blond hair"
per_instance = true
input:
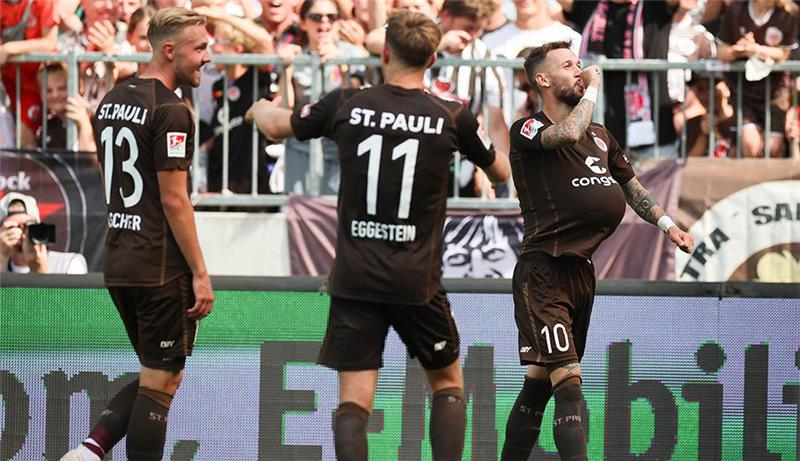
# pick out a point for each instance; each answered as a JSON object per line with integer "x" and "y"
{"x": 234, "y": 35}
{"x": 169, "y": 22}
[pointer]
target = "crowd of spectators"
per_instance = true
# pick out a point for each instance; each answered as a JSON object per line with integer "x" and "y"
{"x": 758, "y": 32}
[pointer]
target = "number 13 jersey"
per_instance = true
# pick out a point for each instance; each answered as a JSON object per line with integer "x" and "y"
{"x": 141, "y": 127}
{"x": 395, "y": 147}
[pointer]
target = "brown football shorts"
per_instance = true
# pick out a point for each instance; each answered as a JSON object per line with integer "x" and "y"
{"x": 156, "y": 322}
{"x": 357, "y": 330}
{"x": 553, "y": 299}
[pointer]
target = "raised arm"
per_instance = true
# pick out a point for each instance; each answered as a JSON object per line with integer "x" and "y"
{"x": 568, "y": 131}
{"x": 643, "y": 203}
{"x": 270, "y": 119}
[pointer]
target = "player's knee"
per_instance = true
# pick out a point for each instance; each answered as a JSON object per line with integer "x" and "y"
{"x": 167, "y": 381}
{"x": 162, "y": 398}
{"x": 354, "y": 409}
{"x": 453, "y": 394}
{"x": 446, "y": 378}
{"x": 564, "y": 373}
{"x": 174, "y": 381}
{"x": 537, "y": 372}
{"x": 568, "y": 390}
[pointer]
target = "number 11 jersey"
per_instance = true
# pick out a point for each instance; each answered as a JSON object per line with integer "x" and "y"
{"x": 141, "y": 127}
{"x": 395, "y": 147}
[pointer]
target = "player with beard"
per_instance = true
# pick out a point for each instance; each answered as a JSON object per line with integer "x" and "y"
{"x": 568, "y": 172}
{"x": 154, "y": 269}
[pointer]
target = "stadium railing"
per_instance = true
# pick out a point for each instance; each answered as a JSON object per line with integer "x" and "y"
{"x": 708, "y": 67}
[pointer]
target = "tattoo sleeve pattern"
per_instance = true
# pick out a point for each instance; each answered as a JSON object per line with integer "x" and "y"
{"x": 571, "y": 129}
{"x": 642, "y": 201}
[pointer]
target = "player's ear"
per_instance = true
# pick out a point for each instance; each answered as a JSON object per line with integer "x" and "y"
{"x": 168, "y": 50}
{"x": 431, "y": 60}
{"x": 542, "y": 80}
{"x": 385, "y": 54}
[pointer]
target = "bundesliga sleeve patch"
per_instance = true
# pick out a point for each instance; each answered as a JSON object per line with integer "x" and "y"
{"x": 176, "y": 144}
{"x": 530, "y": 128}
{"x": 306, "y": 110}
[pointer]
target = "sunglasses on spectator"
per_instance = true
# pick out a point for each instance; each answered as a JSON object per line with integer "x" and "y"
{"x": 317, "y": 17}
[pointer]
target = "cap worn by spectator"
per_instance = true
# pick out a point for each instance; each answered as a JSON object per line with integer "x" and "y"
{"x": 27, "y": 201}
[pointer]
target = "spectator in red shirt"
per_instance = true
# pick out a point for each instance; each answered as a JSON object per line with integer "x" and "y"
{"x": 26, "y": 26}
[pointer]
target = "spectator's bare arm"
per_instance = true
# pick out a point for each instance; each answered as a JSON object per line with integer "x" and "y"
{"x": 69, "y": 20}
{"x": 730, "y": 53}
{"x": 247, "y": 7}
{"x": 566, "y": 5}
{"x": 345, "y": 8}
{"x": 10, "y": 236}
{"x": 102, "y": 35}
{"x": 776, "y": 53}
{"x": 454, "y": 41}
{"x": 378, "y": 13}
{"x": 78, "y": 111}
{"x": 375, "y": 40}
{"x": 747, "y": 46}
{"x": 35, "y": 255}
{"x": 498, "y": 130}
{"x": 351, "y": 31}
{"x": 287, "y": 53}
{"x": 713, "y": 10}
{"x": 46, "y": 43}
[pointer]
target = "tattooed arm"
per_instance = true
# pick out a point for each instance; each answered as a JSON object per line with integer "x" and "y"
{"x": 568, "y": 131}
{"x": 643, "y": 203}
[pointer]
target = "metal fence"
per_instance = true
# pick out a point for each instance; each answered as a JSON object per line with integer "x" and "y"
{"x": 710, "y": 68}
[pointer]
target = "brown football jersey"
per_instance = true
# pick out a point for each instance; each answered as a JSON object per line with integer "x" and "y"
{"x": 779, "y": 30}
{"x": 141, "y": 127}
{"x": 571, "y": 198}
{"x": 395, "y": 147}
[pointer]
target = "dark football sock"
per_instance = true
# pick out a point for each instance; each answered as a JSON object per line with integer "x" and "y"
{"x": 567, "y": 427}
{"x": 525, "y": 419}
{"x": 350, "y": 432}
{"x": 113, "y": 423}
{"x": 448, "y": 420}
{"x": 147, "y": 429}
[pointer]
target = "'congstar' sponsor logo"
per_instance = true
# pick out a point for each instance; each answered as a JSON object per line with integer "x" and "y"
{"x": 593, "y": 181}
{"x": 587, "y": 181}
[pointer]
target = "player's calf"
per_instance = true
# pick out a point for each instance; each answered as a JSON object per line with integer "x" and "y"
{"x": 350, "y": 432}
{"x": 448, "y": 421}
{"x": 147, "y": 430}
{"x": 147, "y": 427}
{"x": 525, "y": 419}
{"x": 567, "y": 424}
